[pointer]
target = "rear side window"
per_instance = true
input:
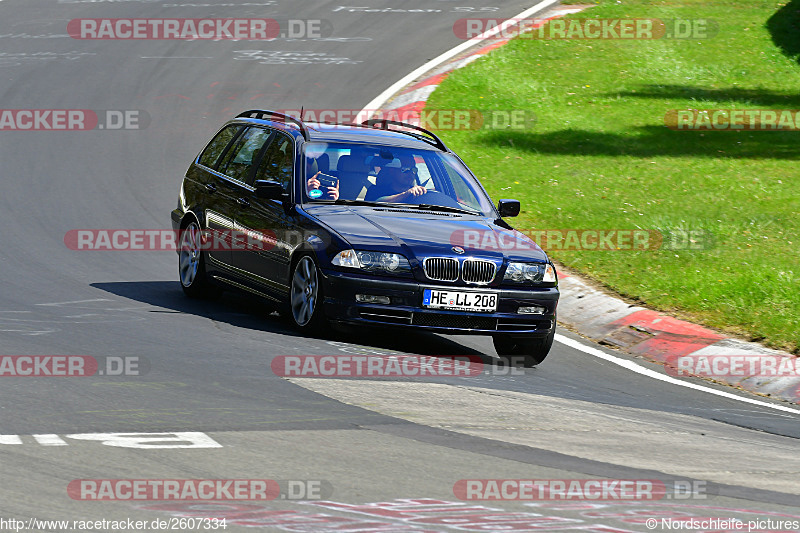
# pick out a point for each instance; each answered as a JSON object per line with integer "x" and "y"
{"x": 278, "y": 161}
{"x": 238, "y": 161}
{"x": 217, "y": 146}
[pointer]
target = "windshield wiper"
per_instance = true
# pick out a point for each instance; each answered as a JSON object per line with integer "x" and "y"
{"x": 342, "y": 201}
{"x": 447, "y": 208}
{"x": 426, "y": 207}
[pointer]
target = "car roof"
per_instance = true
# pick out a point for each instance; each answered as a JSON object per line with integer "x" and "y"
{"x": 338, "y": 132}
{"x": 324, "y": 132}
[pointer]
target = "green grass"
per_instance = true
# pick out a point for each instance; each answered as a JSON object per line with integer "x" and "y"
{"x": 600, "y": 156}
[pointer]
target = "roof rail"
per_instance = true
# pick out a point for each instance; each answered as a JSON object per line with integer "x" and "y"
{"x": 384, "y": 125}
{"x": 262, "y": 114}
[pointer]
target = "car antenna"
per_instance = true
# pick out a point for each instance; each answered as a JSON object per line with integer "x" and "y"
{"x": 302, "y": 112}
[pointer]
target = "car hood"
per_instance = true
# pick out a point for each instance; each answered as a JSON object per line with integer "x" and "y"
{"x": 422, "y": 234}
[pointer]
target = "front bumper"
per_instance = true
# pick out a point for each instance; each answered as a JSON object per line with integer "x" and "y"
{"x": 405, "y": 309}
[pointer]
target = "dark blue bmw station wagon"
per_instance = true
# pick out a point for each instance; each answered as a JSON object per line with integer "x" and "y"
{"x": 375, "y": 224}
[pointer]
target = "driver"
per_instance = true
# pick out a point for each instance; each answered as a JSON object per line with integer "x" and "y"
{"x": 396, "y": 182}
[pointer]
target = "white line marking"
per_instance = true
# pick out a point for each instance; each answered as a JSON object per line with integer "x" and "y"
{"x": 378, "y": 101}
{"x": 177, "y": 57}
{"x": 151, "y": 441}
{"x": 78, "y": 301}
{"x": 633, "y": 367}
{"x": 29, "y": 332}
{"x": 146, "y": 441}
{"x": 49, "y": 440}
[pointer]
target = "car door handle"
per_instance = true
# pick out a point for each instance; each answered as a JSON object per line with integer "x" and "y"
{"x": 244, "y": 202}
{"x": 210, "y": 187}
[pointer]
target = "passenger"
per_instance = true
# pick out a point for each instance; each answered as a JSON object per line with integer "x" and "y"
{"x": 321, "y": 186}
{"x": 330, "y": 191}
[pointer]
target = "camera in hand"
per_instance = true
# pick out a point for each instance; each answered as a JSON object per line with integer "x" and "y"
{"x": 326, "y": 181}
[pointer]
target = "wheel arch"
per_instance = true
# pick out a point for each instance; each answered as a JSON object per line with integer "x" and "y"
{"x": 188, "y": 217}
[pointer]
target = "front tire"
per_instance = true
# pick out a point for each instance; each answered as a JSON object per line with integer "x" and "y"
{"x": 192, "y": 266}
{"x": 533, "y": 350}
{"x": 306, "y": 295}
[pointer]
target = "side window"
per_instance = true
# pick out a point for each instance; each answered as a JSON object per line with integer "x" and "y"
{"x": 217, "y": 146}
{"x": 238, "y": 161}
{"x": 278, "y": 161}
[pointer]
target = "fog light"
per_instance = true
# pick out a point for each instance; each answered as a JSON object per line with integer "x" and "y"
{"x": 535, "y": 310}
{"x": 372, "y": 299}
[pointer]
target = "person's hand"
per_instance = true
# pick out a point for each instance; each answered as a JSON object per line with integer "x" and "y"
{"x": 417, "y": 190}
{"x": 333, "y": 192}
{"x": 312, "y": 183}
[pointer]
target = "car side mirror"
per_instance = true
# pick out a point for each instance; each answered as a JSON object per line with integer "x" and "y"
{"x": 271, "y": 190}
{"x": 508, "y": 208}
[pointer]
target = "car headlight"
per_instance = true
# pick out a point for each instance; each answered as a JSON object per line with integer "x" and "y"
{"x": 530, "y": 273}
{"x": 346, "y": 258}
{"x": 368, "y": 261}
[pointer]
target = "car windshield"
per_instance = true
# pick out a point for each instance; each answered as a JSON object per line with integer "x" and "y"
{"x": 361, "y": 173}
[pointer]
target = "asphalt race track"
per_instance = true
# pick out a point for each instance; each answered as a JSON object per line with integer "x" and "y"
{"x": 207, "y": 386}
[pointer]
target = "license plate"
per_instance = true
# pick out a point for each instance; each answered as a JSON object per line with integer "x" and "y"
{"x": 484, "y": 302}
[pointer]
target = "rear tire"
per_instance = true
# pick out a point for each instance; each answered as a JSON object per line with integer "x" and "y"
{"x": 192, "y": 265}
{"x": 533, "y": 350}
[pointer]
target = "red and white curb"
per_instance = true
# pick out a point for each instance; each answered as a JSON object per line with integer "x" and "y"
{"x": 596, "y": 315}
{"x": 662, "y": 338}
